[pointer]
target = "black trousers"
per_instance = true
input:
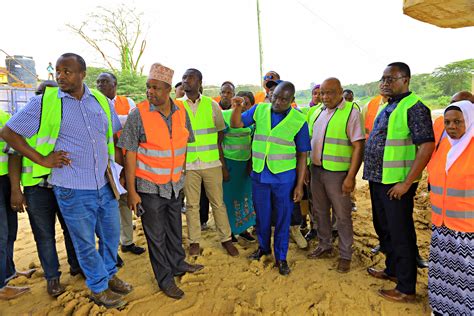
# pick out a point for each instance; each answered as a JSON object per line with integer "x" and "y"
{"x": 393, "y": 222}
{"x": 163, "y": 231}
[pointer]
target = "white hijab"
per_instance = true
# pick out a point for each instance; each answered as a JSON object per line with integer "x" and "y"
{"x": 459, "y": 145}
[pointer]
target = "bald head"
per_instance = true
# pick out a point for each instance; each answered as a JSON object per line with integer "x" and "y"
{"x": 461, "y": 96}
{"x": 331, "y": 92}
{"x": 283, "y": 96}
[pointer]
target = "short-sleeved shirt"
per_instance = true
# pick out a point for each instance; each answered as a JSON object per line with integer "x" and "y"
{"x": 301, "y": 140}
{"x": 354, "y": 130}
{"x": 220, "y": 126}
{"x": 83, "y": 134}
{"x": 133, "y": 134}
{"x": 419, "y": 124}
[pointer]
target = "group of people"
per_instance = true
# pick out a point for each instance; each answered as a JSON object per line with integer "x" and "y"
{"x": 255, "y": 158}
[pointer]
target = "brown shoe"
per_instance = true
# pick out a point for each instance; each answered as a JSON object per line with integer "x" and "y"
{"x": 194, "y": 250}
{"x": 231, "y": 250}
{"x": 54, "y": 287}
{"x": 119, "y": 286}
{"x": 188, "y": 268}
{"x": 320, "y": 253}
{"x": 11, "y": 292}
{"x": 344, "y": 266}
{"x": 380, "y": 274}
{"x": 173, "y": 291}
{"x": 397, "y": 296}
{"x": 108, "y": 298}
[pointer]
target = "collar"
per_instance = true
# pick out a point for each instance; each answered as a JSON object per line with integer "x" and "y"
{"x": 282, "y": 113}
{"x": 185, "y": 98}
{"x": 174, "y": 107}
{"x": 87, "y": 93}
{"x": 398, "y": 97}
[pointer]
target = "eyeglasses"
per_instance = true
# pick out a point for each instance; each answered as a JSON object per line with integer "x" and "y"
{"x": 270, "y": 77}
{"x": 389, "y": 80}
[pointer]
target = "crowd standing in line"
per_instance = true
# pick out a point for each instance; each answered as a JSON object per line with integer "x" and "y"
{"x": 254, "y": 157}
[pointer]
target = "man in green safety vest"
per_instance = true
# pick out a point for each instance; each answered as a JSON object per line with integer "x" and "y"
{"x": 204, "y": 163}
{"x": 279, "y": 150}
{"x": 397, "y": 150}
{"x": 337, "y": 146}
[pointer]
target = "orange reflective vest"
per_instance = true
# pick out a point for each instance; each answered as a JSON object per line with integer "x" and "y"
{"x": 161, "y": 159}
{"x": 260, "y": 97}
{"x": 452, "y": 194}
{"x": 438, "y": 128}
{"x": 372, "y": 110}
{"x": 121, "y": 105}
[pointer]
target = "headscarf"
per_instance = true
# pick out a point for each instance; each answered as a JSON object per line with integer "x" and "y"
{"x": 459, "y": 145}
{"x": 311, "y": 103}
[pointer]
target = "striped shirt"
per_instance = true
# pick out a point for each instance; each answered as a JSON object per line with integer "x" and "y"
{"x": 82, "y": 134}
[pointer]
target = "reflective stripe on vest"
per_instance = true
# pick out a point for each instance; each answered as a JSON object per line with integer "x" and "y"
{"x": 51, "y": 116}
{"x": 160, "y": 160}
{"x": 399, "y": 152}
{"x": 205, "y": 146}
{"x": 275, "y": 146}
{"x": 337, "y": 148}
{"x": 27, "y": 179}
{"x": 237, "y": 143}
{"x": 452, "y": 193}
{"x": 4, "y": 117}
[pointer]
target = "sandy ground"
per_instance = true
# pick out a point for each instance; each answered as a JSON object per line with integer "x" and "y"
{"x": 235, "y": 285}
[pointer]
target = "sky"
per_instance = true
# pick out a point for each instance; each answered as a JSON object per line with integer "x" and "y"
{"x": 305, "y": 41}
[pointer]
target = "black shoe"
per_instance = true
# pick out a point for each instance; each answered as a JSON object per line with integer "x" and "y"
{"x": 233, "y": 238}
{"x": 247, "y": 236}
{"x": 173, "y": 291}
{"x": 258, "y": 254}
{"x": 133, "y": 249}
{"x": 54, "y": 287}
{"x": 312, "y": 234}
{"x": 283, "y": 267}
{"x": 421, "y": 263}
{"x": 120, "y": 262}
{"x": 74, "y": 272}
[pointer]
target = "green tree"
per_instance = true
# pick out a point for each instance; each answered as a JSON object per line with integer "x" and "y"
{"x": 454, "y": 77}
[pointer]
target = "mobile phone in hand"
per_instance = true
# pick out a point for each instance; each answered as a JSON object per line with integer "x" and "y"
{"x": 140, "y": 210}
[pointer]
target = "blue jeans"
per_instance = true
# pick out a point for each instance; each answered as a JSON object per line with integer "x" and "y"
{"x": 88, "y": 213}
{"x": 274, "y": 198}
{"x": 8, "y": 230}
{"x": 42, "y": 210}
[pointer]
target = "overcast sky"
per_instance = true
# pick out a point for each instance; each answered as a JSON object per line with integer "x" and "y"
{"x": 304, "y": 40}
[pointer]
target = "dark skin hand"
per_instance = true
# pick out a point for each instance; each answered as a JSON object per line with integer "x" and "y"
{"x": 17, "y": 199}
{"x": 300, "y": 176}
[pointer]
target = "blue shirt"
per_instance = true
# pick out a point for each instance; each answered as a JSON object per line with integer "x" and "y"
{"x": 301, "y": 139}
{"x": 83, "y": 134}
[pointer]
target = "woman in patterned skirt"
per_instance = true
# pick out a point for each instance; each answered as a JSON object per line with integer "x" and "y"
{"x": 451, "y": 178}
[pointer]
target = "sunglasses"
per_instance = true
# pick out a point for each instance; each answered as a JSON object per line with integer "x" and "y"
{"x": 268, "y": 77}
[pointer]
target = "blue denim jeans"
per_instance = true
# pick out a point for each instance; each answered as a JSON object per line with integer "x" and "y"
{"x": 42, "y": 210}
{"x": 8, "y": 230}
{"x": 88, "y": 213}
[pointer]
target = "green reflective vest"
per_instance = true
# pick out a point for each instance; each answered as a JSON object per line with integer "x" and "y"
{"x": 4, "y": 117}
{"x": 311, "y": 117}
{"x": 50, "y": 124}
{"x": 275, "y": 146}
{"x": 205, "y": 146}
{"x": 337, "y": 148}
{"x": 237, "y": 142}
{"x": 400, "y": 152}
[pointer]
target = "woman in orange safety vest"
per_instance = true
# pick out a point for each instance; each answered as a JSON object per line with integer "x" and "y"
{"x": 451, "y": 178}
